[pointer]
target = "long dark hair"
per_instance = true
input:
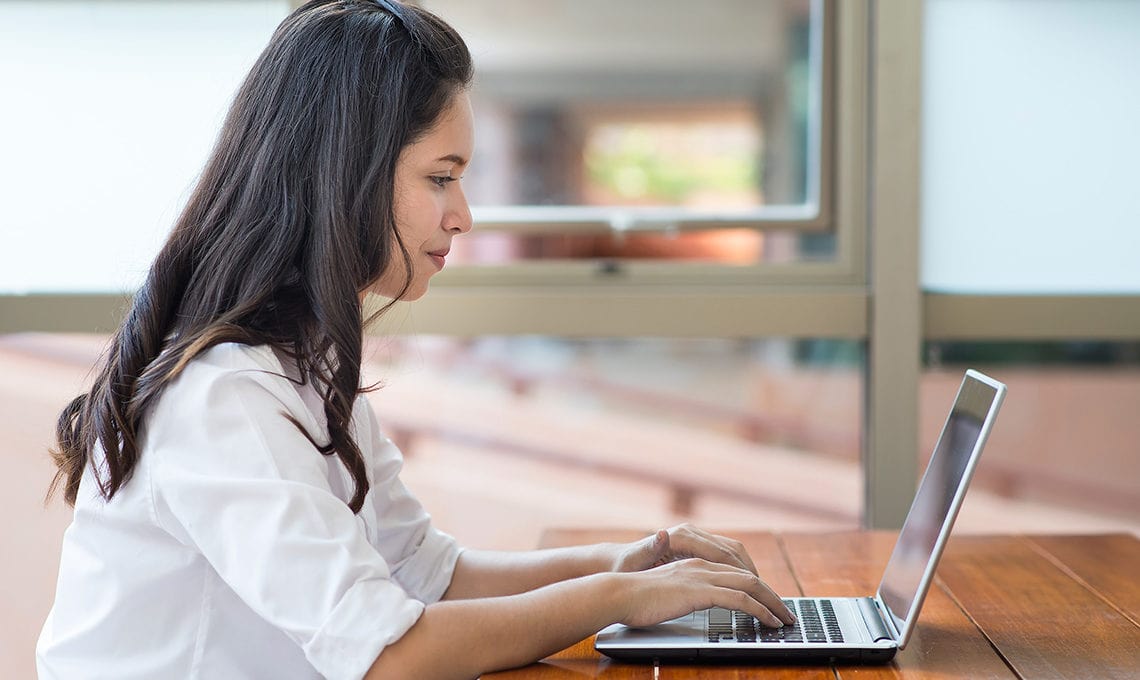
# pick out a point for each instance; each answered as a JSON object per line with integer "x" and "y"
{"x": 291, "y": 219}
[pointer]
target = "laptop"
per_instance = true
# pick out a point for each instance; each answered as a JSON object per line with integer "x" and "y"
{"x": 865, "y": 629}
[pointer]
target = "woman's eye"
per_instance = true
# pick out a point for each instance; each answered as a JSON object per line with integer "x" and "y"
{"x": 442, "y": 180}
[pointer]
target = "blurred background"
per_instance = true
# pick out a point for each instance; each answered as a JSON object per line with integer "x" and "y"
{"x": 730, "y": 258}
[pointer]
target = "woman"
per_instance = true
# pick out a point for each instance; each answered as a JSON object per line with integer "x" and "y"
{"x": 237, "y": 512}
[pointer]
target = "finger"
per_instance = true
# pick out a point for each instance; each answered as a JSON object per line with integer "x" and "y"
{"x": 697, "y": 543}
{"x": 738, "y": 548}
{"x": 756, "y": 589}
{"x": 733, "y": 551}
{"x": 739, "y": 600}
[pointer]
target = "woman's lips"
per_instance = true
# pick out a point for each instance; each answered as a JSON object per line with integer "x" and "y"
{"x": 439, "y": 257}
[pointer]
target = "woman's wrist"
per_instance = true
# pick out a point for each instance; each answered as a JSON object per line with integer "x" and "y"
{"x": 597, "y": 558}
{"x": 607, "y": 557}
{"x": 614, "y": 593}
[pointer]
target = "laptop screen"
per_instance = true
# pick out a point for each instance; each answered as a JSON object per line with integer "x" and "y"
{"x": 911, "y": 566}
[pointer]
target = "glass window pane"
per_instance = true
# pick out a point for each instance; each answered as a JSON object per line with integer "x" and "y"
{"x": 507, "y": 436}
{"x": 1062, "y": 455}
{"x": 110, "y": 110}
{"x": 1029, "y": 142}
{"x": 638, "y": 126}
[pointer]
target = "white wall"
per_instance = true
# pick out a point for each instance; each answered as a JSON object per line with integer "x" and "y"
{"x": 1031, "y": 146}
{"x": 109, "y": 111}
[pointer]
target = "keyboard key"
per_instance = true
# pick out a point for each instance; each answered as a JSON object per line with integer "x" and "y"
{"x": 816, "y": 621}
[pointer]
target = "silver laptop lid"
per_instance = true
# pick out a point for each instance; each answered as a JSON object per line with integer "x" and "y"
{"x": 911, "y": 568}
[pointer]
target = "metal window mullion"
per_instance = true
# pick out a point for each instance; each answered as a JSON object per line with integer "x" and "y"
{"x": 895, "y": 327}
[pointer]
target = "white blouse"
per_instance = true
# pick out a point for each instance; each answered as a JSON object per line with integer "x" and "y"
{"x": 231, "y": 551}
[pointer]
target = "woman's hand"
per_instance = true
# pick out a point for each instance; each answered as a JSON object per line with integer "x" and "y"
{"x": 509, "y": 596}
{"x": 681, "y": 542}
{"x": 685, "y": 586}
{"x": 684, "y": 569}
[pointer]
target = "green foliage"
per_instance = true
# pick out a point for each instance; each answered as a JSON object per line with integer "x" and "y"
{"x": 636, "y": 166}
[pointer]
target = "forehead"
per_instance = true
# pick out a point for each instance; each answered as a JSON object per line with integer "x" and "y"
{"x": 452, "y": 138}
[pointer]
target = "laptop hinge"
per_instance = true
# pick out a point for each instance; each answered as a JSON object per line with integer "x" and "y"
{"x": 875, "y": 619}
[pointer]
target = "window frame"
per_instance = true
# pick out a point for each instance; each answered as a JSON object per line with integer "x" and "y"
{"x": 839, "y": 105}
{"x": 875, "y": 128}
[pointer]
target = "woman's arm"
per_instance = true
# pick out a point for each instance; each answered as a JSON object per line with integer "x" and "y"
{"x": 464, "y": 638}
{"x": 486, "y": 573}
{"x": 480, "y": 573}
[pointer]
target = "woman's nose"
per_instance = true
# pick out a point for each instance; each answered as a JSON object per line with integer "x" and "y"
{"x": 459, "y": 218}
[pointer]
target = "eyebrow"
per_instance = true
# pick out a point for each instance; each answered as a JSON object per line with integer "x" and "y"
{"x": 453, "y": 158}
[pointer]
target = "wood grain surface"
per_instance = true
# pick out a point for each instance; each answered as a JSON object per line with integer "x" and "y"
{"x": 1002, "y": 607}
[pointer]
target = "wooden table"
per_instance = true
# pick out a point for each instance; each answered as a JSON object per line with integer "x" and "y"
{"x": 1002, "y": 607}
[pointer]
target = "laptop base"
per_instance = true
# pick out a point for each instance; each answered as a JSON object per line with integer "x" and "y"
{"x": 749, "y": 657}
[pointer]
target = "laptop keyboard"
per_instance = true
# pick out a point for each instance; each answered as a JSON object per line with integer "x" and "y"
{"x": 815, "y": 622}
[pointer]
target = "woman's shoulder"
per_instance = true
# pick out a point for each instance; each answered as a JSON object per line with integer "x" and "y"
{"x": 234, "y": 362}
{"x": 228, "y": 357}
{"x": 252, "y": 372}
{"x": 231, "y": 397}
